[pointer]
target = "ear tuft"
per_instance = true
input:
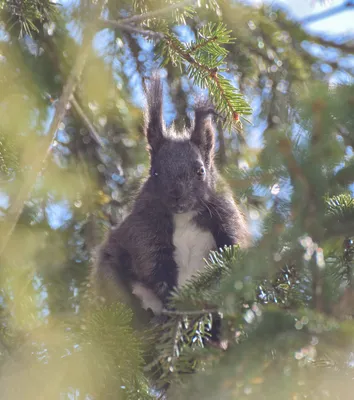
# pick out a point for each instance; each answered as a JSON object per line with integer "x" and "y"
{"x": 203, "y": 132}
{"x": 154, "y": 125}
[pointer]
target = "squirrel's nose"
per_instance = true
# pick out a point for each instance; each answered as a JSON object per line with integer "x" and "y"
{"x": 176, "y": 193}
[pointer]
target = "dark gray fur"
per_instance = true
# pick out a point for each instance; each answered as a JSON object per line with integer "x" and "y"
{"x": 141, "y": 248}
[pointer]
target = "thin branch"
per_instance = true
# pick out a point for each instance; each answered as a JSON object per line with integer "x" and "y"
{"x": 185, "y": 54}
{"x": 344, "y": 47}
{"x": 16, "y": 207}
{"x": 336, "y": 228}
{"x": 289, "y": 26}
{"x": 328, "y": 13}
{"x": 202, "y": 44}
{"x": 95, "y": 135}
{"x": 156, "y": 13}
{"x": 190, "y": 312}
{"x": 175, "y": 340}
{"x": 4, "y": 345}
{"x": 81, "y": 113}
{"x": 132, "y": 29}
{"x": 125, "y": 23}
{"x": 153, "y": 363}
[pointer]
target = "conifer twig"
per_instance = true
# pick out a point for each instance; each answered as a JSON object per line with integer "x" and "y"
{"x": 202, "y": 44}
{"x": 204, "y": 71}
{"x": 212, "y": 72}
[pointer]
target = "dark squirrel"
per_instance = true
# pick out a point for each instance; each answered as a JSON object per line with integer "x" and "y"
{"x": 182, "y": 212}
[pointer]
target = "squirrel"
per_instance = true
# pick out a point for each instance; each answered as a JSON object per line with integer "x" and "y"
{"x": 183, "y": 211}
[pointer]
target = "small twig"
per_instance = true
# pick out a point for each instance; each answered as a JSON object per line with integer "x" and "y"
{"x": 156, "y": 13}
{"x": 189, "y": 312}
{"x": 344, "y": 47}
{"x": 153, "y": 363}
{"x": 222, "y": 147}
{"x": 125, "y": 23}
{"x": 185, "y": 54}
{"x": 132, "y": 29}
{"x": 175, "y": 341}
{"x": 96, "y": 137}
{"x": 328, "y": 13}
{"x": 16, "y": 207}
{"x": 200, "y": 45}
{"x": 5, "y": 346}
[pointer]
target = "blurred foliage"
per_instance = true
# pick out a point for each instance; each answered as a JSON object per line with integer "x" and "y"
{"x": 287, "y": 303}
{"x": 27, "y": 16}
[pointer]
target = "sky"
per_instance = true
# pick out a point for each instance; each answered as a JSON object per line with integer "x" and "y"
{"x": 335, "y": 26}
{"x": 340, "y": 24}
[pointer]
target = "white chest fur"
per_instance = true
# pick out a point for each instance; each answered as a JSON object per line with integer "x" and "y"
{"x": 192, "y": 246}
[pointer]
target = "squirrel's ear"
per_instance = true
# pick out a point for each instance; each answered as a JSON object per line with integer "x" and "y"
{"x": 154, "y": 125}
{"x": 203, "y": 133}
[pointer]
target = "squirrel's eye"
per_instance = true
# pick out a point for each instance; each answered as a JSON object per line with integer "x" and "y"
{"x": 201, "y": 171}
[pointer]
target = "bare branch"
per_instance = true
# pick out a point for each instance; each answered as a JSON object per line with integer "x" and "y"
{"x": 345, "y": 47}
{"x": 156, "y": 13}
{"x": 42, "y": 155}
{"x": 190, "y": 312}
{"x": 328, "y": 13}
{"x": 130, "y": 28}
{"x": 125, "y": 23}
{"x": 96, "y": 137}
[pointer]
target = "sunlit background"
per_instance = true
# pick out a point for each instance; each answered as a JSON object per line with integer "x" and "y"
{"x": 97, "y": 158}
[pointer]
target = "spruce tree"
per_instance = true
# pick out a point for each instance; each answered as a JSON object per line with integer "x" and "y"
{"x": 72, "y": 154}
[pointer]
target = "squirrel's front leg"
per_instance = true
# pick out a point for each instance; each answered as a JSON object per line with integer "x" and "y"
{"x": 165, "y": 272}
{"x": 155, "y": 289}
{"x": 157, "y": 270}
{"x": 225, "y": 221}
{"x": 157, "y": 264}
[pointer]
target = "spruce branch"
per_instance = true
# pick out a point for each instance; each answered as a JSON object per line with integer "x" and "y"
{"x": 308, "y": 213}
{"x": 339, "y": 216}
{"x": 209, "y": 38}
{"x": 295, "y": 171}
{"x": 27, "y": 14}
{"x": 197, "y": 46}
{"x": 9, "y": 162}
{"x": 204, "y": 59}
{"x": 199, "y": 290}
{"x": 340, "y": 207}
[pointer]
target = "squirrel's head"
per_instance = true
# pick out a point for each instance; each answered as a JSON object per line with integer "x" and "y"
{"x": 181, "y": 163}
